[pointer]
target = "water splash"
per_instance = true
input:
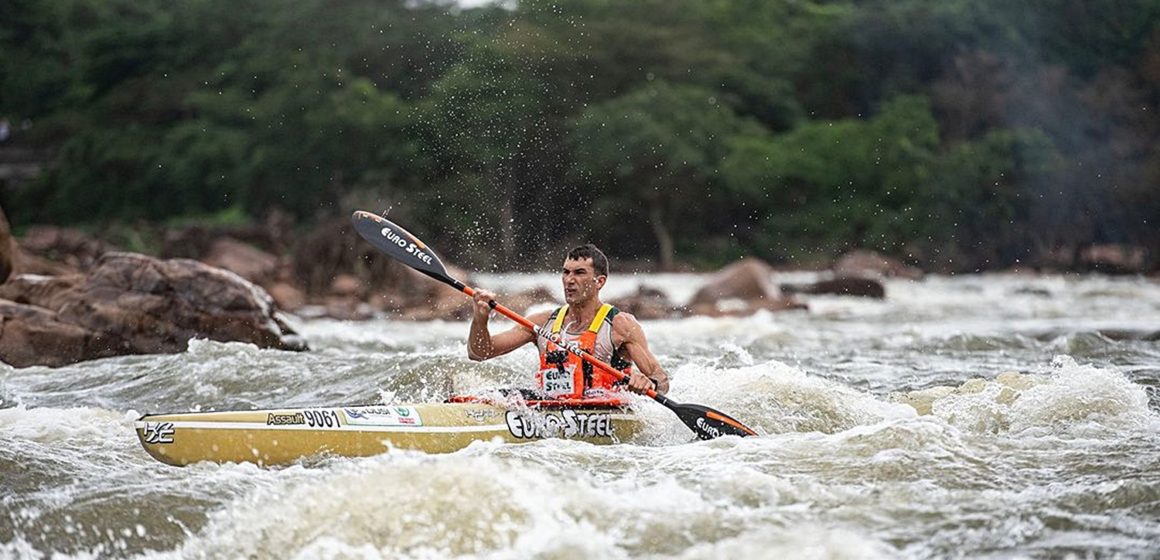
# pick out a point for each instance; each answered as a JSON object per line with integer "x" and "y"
{"x": 1066, "y": 395}
{"x": 774, "y": 397}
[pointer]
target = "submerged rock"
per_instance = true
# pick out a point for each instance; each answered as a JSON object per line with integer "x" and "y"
{"x": 1114, "y": 259}
{"x": 847, "y": 286}
{"x": 1009, "y": 385}
{"x": 129, "y": 303}
{"x": 862, "y": 264}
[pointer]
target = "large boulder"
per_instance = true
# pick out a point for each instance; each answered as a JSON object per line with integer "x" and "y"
{"x": 647, "y": 303}
{"x": 197, "y": 241}
{"x": 740, "y": 289}
{"x": 258, "y": 252}
{"x": 158, "y": 305}
{"x": 72, "y": 248}
{"x": 15, "y": 260}
{"x": 31, "y": 335}
{"x": 27, "y": 263}
{"x": 243, "y": 259}
{"x": 134, "y": 304}
{"x": 48, "y": 292}
{"x": 287, "y": 295}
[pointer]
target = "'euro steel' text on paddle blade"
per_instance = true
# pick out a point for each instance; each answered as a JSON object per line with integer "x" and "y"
{"x": 399, "y": 244}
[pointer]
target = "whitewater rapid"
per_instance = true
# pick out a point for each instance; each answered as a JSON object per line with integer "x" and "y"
{"x": 979, "y": 416}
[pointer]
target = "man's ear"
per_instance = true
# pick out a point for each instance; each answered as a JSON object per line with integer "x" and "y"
{"x": 600, "y": 280}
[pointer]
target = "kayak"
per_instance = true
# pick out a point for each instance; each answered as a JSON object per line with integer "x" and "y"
{"x": 284, "y": 436}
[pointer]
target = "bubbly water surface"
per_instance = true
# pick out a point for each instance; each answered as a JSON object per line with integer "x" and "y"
{"x": 982, "y": 416}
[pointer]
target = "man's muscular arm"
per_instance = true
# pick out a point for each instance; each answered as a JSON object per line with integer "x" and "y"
{"x": 626, "y": 331}
{"x": 481, "y": 345}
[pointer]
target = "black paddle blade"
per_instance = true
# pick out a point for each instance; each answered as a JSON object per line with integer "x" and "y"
{"x": 709, "y": 423}
{"x": 399, "y": 244}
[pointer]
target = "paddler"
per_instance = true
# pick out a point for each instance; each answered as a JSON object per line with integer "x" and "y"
{"x": 612, "y": 336}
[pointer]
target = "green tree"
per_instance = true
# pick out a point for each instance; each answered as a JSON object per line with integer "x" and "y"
{"x": 490, "y": 132}
{"x": 974, "y": 213}
{"x": 828, "y": 186}
{"x": 656, "y": 148}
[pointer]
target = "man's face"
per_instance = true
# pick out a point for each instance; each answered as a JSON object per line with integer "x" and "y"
{"x": 580, "y": 281}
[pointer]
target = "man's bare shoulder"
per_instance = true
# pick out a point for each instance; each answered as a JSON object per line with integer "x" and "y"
{"x": 625, "y": 325}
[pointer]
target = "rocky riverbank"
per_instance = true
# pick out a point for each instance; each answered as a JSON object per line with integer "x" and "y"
{"x": 68, "y": 297}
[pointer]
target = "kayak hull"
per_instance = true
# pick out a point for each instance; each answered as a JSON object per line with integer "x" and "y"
{"x": 284, "y": 436}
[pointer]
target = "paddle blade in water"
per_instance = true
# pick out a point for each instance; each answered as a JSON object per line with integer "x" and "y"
{"x": 709, "y": 423}
{"x": 399, "y": 244}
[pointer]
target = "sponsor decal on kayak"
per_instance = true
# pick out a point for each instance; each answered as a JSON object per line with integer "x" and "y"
{"x": 383, "y": 416}
{"x": 563, "y": 423}
{"x": 481, "y": 415}
{"x": 285, "y": 419}
{"x": 158, "y": 432}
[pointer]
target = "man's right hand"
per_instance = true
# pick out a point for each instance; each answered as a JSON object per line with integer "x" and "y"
{"x": 481, "y": 309}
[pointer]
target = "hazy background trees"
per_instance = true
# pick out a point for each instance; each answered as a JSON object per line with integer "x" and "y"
{"x": 960, "y": 134}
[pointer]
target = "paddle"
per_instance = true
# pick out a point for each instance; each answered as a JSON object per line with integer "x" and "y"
{"x": 400, "y": 245}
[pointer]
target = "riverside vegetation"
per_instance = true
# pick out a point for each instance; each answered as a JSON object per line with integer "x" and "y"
{"x": 960, "y": 135}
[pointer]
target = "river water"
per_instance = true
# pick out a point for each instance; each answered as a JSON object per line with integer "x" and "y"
{"x": 1038, "y": 438}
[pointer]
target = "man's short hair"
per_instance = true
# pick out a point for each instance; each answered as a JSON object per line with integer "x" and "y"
{"x": 590, "y": 251}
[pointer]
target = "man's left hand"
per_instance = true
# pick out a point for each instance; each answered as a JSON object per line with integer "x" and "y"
{"x": 640, "y": 383}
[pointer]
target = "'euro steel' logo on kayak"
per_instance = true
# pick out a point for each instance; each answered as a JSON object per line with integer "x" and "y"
{"x": 565, "y": 423}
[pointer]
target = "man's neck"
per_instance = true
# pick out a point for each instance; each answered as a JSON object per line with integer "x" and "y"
{"x": 583, "y": 313}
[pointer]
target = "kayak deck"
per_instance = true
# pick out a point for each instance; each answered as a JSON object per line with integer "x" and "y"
{"x": 283, "y": 436}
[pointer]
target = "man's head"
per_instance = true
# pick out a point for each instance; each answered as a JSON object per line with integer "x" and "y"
{"x": 584, "y": 273}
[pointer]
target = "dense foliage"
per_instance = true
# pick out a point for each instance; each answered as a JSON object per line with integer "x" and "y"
{"x": 960, "y": 134}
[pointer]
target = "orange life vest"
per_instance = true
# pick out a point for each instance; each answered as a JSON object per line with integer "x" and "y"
{"x": 565, "y": 375}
